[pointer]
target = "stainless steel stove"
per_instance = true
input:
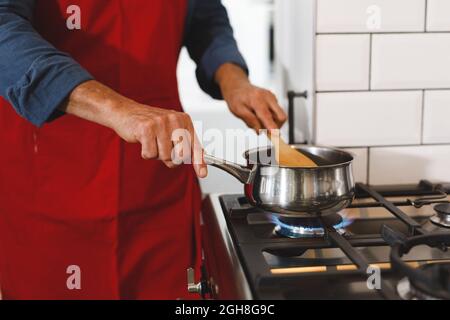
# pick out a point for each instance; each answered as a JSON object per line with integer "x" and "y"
{"x": 390, "y": 244}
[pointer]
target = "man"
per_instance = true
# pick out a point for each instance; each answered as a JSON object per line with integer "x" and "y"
{"x": 91, "y": 204}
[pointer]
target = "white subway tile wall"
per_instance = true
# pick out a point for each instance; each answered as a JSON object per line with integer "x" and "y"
{"x": 398, "y": 117}
{"x": 411, "y": 61}
{"x": 438, "y": 15}
{"x": 360, "y": 164}
{"x": 404, "y": 165}
{"x": 369, "y": 118}
{"x": 335, "y": 16}
{"x": 437, "y": 117}
{"x": 343, "y": 62}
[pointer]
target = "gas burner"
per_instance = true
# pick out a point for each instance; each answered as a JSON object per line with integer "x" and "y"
{"x": 428, "y": 281}
{"x": 296, "y": 228}
{"x": 442, "y": 218}
{"x": 407, "y": 290}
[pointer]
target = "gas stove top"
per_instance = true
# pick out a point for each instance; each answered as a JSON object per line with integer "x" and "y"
{"x": 390, "y": 244}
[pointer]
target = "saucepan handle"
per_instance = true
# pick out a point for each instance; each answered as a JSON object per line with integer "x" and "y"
{"x": 239, "y": 172}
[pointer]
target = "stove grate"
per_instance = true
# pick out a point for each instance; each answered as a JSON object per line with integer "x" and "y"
{"x": 266, "y": 285}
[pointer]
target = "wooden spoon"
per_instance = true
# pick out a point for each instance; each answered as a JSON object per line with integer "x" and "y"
{"x": 289, "y": 157}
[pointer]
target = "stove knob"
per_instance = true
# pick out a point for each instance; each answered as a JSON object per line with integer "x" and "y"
{"x": 193, "y": 287}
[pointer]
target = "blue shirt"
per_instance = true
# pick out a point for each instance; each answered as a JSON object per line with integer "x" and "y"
{"x": 36, "y": 78}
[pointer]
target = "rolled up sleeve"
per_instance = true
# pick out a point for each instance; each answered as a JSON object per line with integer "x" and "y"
{"x": 211, "y": 43}
{"x": 35, "y": 77}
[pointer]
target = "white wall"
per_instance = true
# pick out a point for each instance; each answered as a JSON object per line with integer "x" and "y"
{"x": 382, "y": 85}
{"x": 250, "y": 20}
{"x": 295, "y": 55}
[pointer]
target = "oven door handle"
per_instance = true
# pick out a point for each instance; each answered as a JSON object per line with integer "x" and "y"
{"x": 292, "y": 95}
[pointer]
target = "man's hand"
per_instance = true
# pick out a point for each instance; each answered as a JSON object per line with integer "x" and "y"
{"x": 152, "y": 127}
{"x": 155, "y": 129}
{"x": 257, "y": 107}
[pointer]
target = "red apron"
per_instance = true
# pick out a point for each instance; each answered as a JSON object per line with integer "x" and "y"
{"x": 74, "y": 194}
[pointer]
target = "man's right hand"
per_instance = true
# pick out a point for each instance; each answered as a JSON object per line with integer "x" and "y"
{"x": 153, "y": 128}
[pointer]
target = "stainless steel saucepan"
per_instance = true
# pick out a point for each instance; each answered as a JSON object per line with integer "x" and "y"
{"x": 295, "y": 192}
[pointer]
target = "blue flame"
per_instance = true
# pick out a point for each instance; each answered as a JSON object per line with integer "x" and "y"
{"x": 296, "y": 231}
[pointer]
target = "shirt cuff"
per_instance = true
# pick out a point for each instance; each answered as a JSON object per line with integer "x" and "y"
{"x": 211, "y": 62}
{"x": 45, "y": 86}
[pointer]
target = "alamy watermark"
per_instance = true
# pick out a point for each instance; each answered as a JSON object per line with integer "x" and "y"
{"x": 74, "y": 280}
{"x": 73, "y": 21}
{"x": 224, "y": 143}
{"x": 374, "y": 279}
{"x": 373, "y": 21}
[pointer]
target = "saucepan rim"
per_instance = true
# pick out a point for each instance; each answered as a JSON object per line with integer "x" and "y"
{"x": 300, "y": 146}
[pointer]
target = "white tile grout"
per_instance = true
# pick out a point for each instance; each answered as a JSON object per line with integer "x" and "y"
{"x": 383, "y": 90}
{"x": 395, "y": 146}
{"x": 422, "y": 129}
{"x": 381, "y": 33}
{"x": 370, "y": 61}
{"x": 368, "y": 165}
